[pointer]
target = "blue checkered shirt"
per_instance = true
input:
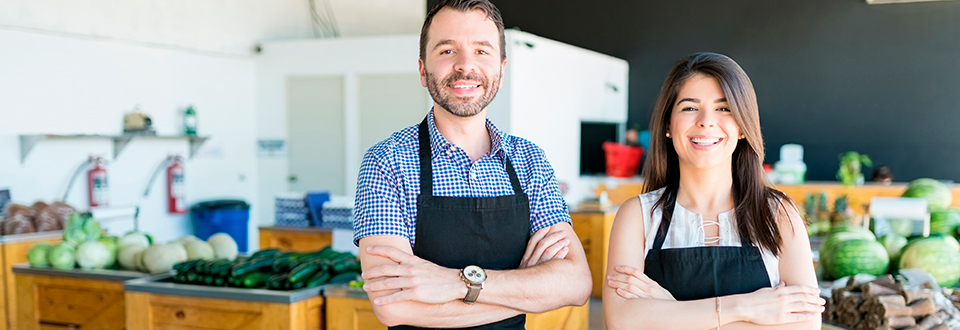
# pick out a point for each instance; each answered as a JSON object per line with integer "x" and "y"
{"x": 389, "y": 181}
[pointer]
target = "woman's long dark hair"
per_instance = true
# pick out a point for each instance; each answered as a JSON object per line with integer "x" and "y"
{"x": 754, "y": 200}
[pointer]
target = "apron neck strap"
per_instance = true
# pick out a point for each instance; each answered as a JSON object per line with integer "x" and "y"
{"x": 664, "y": 226}
{"x": 666, "y": 217}
{"x": 513, "y": 175}
{"x": 426, "y": 166}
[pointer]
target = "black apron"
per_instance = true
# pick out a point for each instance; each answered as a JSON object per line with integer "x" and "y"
{"x": 455, "y": 232}
{"x": 707, "y": 271}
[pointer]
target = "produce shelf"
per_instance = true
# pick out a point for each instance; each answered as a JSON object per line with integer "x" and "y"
{"x": 163, "y": 284}
{"x": 96, "y": 274}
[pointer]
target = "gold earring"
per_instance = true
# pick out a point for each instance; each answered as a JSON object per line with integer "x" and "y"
{"x": 668, "y": 134}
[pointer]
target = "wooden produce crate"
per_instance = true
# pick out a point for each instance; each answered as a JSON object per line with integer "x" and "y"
{"x": 593, "y": 229}
{"x": 158, "y": 304}
{"x": 50, "y": 298}
{"x": 301, "y": 239}
{"x": 349, "y": 309}
{"x": 14, "y": 250}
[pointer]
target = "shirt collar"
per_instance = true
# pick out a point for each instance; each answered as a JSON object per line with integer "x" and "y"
{"x": 439, "y": 144}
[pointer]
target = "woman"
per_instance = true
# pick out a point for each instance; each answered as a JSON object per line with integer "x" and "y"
{"x": 708, "y": 244}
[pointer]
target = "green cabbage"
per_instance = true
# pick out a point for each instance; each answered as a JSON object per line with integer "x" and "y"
{"x": 61, "y": 256}
{"x": 37, "y": 256}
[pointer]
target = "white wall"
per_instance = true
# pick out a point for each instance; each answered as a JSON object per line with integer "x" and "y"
{"x": 65, "y": 85}
{"x": 348, "y": 57}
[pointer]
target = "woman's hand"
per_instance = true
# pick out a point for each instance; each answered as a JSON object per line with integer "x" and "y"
{"x": 781, "y": 304}
{"x": 631, "y": 283}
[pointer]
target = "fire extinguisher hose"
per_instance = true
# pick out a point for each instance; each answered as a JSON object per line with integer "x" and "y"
{"x": 163, "y": 164}
{"x": 83, "y": 165}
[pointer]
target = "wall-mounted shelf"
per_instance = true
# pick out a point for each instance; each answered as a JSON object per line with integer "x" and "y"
{"x": 27, "y": 142}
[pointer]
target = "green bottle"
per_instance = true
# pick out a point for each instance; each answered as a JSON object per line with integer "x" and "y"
{"x": 190, "y": 121}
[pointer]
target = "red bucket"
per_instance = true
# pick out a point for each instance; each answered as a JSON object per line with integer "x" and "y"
{"x": 622, "y": 160}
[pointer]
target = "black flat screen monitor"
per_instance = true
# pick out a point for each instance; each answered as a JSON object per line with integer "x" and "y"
{"x": 592, "y": 137}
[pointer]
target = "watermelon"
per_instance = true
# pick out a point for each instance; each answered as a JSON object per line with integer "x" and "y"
{"x": 858, "y": 256}
{"x": 894, "y": 244}
{"x": 841, "y": 234}
{"x": 936, "y": 193}
{"x": 938, "y": 255}
{"x": 945, "y": 221}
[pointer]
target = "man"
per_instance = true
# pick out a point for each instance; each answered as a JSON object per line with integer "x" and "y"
{"x": 458, "y": 224}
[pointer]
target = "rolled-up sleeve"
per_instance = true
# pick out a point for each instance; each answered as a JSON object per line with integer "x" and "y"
{"x": 547, "y": 206}
{"x": 379, "y": 207}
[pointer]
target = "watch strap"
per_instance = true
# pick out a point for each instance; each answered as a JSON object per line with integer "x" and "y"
{"x": 473, "y": 292}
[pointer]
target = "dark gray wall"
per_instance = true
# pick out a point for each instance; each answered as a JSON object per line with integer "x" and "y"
{"x": 832, "y": 75}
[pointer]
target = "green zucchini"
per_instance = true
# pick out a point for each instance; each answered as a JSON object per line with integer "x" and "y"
{"x": 219, "y": 267}
{"x": 318, "y": 279}
{"x": 266, "y": 253}
{"x": 254, "y": 280}
{"x": 234, "y": 281}
{"x": 282, "y": 265}
{"x": 327, "y": 252}
{"x": 346, "y": 265}
{"x": 278, "y": 282}
{"x": 186, "y": 265}
{"x": 344, "y": 278}
{"x": 253, "y": 265}
{"x": 303, "y": 272}
{"x": 298, "y": 285}
{"x": 219, "y": 281}
{"x": 192, "y": 277}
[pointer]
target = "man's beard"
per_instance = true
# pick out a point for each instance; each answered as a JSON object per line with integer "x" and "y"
{"x": 462, "y": 109}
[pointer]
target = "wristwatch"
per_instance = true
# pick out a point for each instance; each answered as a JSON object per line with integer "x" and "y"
{"x": 473, "y": 276}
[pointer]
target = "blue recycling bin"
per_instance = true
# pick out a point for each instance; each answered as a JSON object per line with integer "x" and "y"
{"x": 222, "y": 216}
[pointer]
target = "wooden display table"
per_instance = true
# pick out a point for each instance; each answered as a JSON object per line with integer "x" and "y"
{"x": 157, "y": 303}
{"x": 593, "y": 229}
{"x": 52, "y": 298}
{"x": 349, "y": 309}
{"x": 301, "y": 239}
{"x": 14, "y": 250}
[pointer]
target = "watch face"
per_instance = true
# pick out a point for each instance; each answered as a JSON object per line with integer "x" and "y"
{"x": 474, "y": 274}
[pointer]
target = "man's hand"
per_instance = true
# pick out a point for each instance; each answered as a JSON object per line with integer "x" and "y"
{"x": 414, "y": 279}
{"x": 545, "y": 245}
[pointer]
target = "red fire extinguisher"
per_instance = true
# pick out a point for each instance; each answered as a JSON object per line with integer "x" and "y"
{"x": 97, "y": 188}
{"x": 176, "y": 203}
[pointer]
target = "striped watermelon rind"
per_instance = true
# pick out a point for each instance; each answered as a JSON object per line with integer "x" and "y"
{"x": 938, "y": 255}
{"x": 944, "y": 221}
{"x": 837, "y": 236}
{"x": 858, "y": 256}
{"x": 936, "y": 193}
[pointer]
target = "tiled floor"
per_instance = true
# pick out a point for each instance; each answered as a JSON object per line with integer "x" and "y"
{"x": 596, "y": 314}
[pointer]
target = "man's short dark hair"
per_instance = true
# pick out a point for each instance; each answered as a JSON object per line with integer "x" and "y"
{"x": 464, "y": 6}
